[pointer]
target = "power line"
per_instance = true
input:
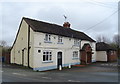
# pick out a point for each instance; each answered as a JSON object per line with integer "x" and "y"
{"x": 103, "y": 4}
{"x": 101, "y": 21}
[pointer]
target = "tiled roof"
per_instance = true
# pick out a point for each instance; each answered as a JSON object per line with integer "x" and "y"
{"x": 39, "y": 26}
{"x": 101, "y": 46}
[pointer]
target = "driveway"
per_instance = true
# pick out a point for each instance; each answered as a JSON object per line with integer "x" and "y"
{"x": 96, "y": 72}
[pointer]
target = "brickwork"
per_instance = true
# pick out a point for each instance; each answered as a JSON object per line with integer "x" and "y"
{"x": 112, "y": 56}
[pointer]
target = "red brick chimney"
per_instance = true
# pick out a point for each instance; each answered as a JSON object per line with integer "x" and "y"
{"x": 66, "y": 24}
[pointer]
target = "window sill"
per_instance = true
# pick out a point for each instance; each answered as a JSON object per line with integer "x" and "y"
{"x": 59, "y": 43}
{"x": 75, "y": 58}
{"x": 76, "y": 45}
{"x": 47, "y": 62}
{"x": 47, "y": 42}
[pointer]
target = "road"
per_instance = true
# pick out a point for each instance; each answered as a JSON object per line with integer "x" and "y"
{"x": 97, "y": 72}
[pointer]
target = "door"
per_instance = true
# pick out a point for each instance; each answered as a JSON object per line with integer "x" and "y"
{"x": 59, "y": 58}
{"x": 22, "y": 57}
{"x": 89, "y": 57}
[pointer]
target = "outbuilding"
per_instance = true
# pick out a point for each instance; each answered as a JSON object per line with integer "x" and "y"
{"x": 105, "y": 52}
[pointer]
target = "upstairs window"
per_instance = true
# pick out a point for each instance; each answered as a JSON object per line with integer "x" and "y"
{"x": 75, "y": 54}
{"x": 47, "y": 37}
{"x": 76, "y": 42}
{"x": 60, "y": 39}
{"x": 47, "y": 55}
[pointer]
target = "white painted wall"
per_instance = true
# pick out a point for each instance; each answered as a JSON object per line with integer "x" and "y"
{"x": 21, "y": 43}
{"x": 101, "y": 56}
{"x": 66, "y": 48}
{"x": 37, "y": 43}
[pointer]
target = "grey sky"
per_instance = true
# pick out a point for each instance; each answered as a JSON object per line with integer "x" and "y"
{"x": 82, "y": 14}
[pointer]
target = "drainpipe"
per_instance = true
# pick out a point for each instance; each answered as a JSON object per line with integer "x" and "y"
{"x": 79, "y": 51}
{"x": 80, "y": 45}
{"x": 28, "y": 44}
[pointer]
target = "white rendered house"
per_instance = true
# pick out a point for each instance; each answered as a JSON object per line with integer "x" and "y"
{"x": 44, "y": 46}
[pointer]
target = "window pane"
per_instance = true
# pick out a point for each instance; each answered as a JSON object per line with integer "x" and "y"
{"x": 49, "y": 39}
{"x": 47, "y": 53}
{"x": 75, "y": 54}
{"x": 46, "y": 37}
{"x": 50, "y": 57}
{"x": 43, "y": 52}
{"x": 43, "y": 57}
{"x": 46, "y": 57}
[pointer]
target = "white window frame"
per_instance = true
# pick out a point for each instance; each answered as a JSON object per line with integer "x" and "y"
{"x": 76, "y": 42}
{"x": 75, "y": 54}
{"x": 49, "y": 54}
{"x": 60, "y": 39}
{"x": 47, "y": 38}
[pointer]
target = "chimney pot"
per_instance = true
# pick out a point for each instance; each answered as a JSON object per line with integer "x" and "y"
{"x": 66, "y": 25}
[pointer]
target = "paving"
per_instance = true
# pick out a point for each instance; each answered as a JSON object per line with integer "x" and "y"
{"x": 96, "y": 72}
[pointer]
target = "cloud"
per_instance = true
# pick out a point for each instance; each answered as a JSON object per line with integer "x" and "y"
{"x": 81, "y": 15}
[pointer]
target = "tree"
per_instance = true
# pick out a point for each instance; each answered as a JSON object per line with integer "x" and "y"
{"x": 116, "y": 40}
{"x": 102, "y": 39}
{"x": 4, "y": 46}
{"x": 116, "y": 43}
{"x": 3, "y": 43}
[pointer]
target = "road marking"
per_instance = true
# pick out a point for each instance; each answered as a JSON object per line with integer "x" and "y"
{"x": 47, "y": 77}
{"x": 73, "y": 81}
{"x": 1, "y": 71}
{"x": 69, "y": 80}
{"x": 19, "y": 74}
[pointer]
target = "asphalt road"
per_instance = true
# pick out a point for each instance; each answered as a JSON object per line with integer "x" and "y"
{"x": 97, "y": 72}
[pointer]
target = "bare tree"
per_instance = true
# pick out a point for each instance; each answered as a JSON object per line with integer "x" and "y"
{"x": 102, "y": 39}
{"x": 3, "y": 43}
{"x": 116, "y": 40}
{"x": 98, "y": 39}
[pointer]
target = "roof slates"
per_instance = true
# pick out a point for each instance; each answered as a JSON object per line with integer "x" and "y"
{"x": 44, "y": 27}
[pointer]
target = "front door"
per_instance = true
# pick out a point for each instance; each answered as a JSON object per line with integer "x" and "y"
{"x": 59, "y": 58}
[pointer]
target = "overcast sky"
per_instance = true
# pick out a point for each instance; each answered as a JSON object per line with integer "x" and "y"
{"x": 94, "y": 17}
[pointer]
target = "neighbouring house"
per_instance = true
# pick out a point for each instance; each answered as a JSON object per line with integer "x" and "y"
{"x": 105, "y": 52}
{"x": 6, "y": 57}
{"x": 44, "y": 46}
{"x": 5, "y": 54}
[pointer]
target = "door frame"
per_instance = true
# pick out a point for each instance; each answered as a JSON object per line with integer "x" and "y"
{"x": 59, "y": 60}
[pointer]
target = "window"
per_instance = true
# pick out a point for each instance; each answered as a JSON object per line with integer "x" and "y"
{"x": 47, "y": 55}
{"x": 75, "y": 54}
{"x": 18, "y": 51}
{"x": 39, "y": 51}
{"x": 59, "y": 39}
{"x": 47, "y": 37}
{"x": 76, "y": 42}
